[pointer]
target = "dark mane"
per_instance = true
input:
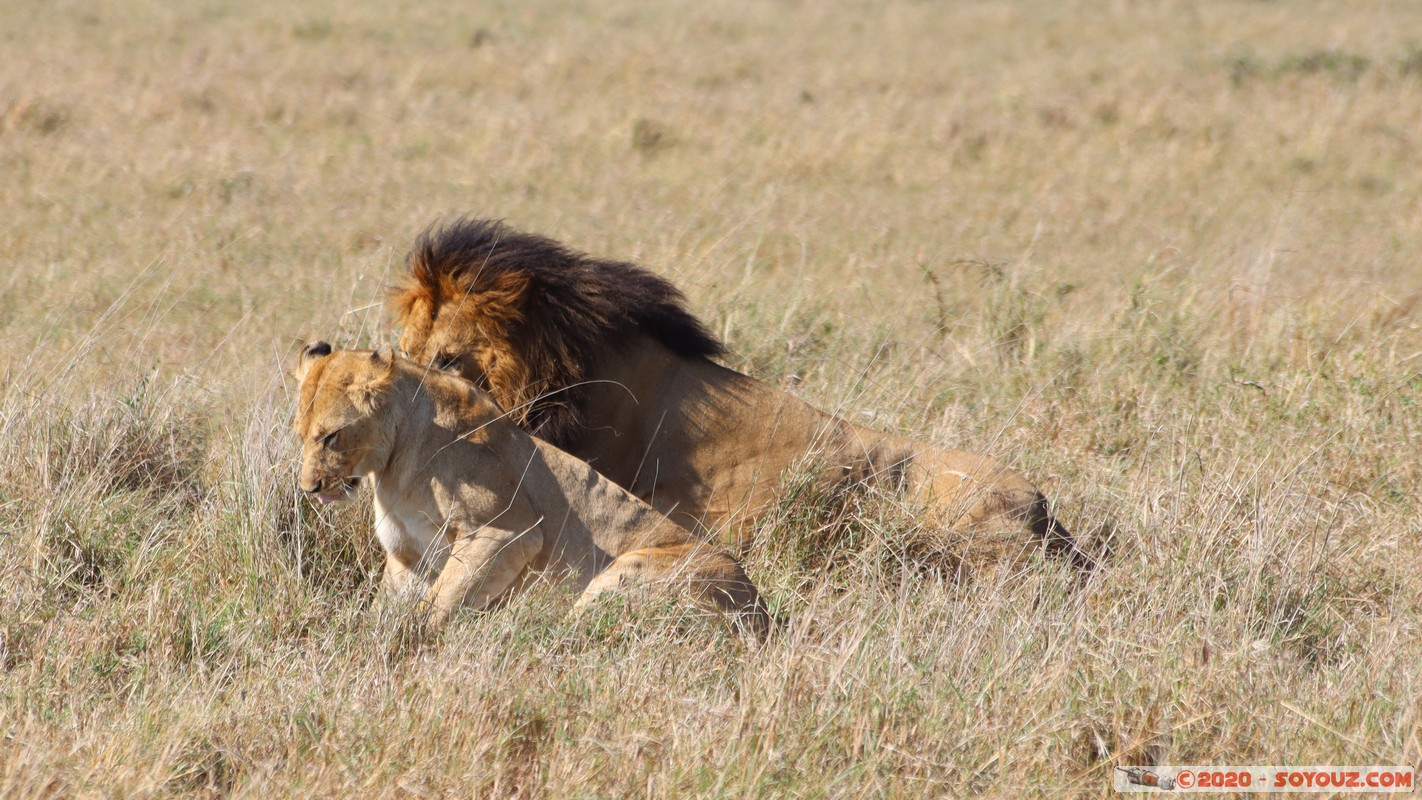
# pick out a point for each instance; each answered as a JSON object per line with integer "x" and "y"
{"x": 552, "y": 311}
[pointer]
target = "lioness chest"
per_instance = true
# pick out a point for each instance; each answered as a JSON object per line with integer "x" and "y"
{"x": 410, "y": 536}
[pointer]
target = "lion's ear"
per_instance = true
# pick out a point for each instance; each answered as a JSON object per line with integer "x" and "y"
{"x": 309, "y": 354}
{"x": 503, "y": 296}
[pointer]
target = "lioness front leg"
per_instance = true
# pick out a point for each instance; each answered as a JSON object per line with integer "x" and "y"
{"x": 710, "y": 576}
{"x": 398, "y": 583}
{"x": 481, "y": 566}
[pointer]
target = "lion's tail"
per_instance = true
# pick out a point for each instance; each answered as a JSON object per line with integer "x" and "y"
{"x": 1055, "y": 536}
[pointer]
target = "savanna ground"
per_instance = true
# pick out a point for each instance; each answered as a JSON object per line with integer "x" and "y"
{"x": 1165, "y": 257}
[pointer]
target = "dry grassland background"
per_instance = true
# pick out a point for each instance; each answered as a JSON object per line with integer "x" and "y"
{"x": 1166, "y": 257}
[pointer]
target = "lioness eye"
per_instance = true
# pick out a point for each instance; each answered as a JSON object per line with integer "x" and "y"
{"x": 329, "y": 440}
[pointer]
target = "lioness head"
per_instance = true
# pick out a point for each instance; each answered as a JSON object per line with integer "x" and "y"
{"x": 339, "y": 418}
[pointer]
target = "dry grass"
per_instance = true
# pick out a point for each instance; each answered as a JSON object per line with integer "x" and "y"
{"x": 1165, "y": 256}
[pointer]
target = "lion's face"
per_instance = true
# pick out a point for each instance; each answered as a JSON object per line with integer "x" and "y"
{"x": 337, "y": 419}
{"x": 450, "y": 343}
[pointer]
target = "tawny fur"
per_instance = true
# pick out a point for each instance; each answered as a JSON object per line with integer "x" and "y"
{"x": 602, "y": 358}
{"x": 469, "y": 507}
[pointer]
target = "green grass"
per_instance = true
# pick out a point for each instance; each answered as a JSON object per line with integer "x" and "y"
{"x": 1164, "y": 258}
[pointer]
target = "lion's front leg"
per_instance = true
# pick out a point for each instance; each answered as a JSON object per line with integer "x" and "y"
{"x": 481, "y": 567}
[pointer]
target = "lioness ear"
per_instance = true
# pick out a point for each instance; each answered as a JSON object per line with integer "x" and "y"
{"x": 367, "y": 391}
{"x": 387, "y": 360}
{"x": 309, "y": 354}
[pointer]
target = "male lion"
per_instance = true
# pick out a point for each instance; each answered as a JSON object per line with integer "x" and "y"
{"x": 602, "y": 359}
{"x": 469, "y": 507}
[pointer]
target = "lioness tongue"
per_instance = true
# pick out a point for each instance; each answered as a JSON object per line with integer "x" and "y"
{"x": 328, "y": 498}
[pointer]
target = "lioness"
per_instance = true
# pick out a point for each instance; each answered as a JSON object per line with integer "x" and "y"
{"x": 468, "y": 507}
{"x": 602, "y": 359}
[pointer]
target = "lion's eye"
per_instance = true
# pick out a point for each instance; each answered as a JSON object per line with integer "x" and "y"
{"x": 329, "y": 440}
{"x": 447, "y": 362}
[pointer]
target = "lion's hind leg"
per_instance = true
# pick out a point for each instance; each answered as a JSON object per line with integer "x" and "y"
{"x": 710, "y": 577}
